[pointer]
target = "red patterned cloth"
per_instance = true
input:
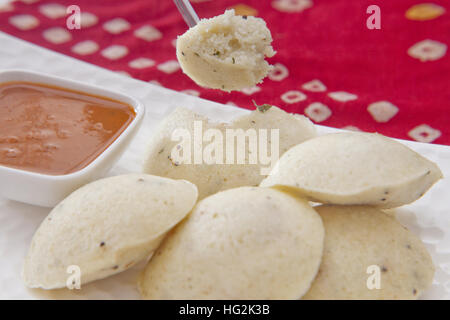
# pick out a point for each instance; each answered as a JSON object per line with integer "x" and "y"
{"x": 329, "y": 65}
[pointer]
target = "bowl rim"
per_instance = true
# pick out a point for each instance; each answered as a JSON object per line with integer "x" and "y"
{"x": 65, "y": 83}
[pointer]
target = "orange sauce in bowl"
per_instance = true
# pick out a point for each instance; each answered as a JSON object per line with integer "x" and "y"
{"x": 54, "y": 130}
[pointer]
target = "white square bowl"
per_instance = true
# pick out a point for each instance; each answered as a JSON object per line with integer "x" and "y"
{"x": 47, "y": 190}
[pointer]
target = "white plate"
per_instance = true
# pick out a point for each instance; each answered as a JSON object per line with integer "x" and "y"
{"x": 428, "y": 217}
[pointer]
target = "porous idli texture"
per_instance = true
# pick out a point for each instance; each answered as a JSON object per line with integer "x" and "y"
{"x": 368, "y": 254}
{"x": 106, "y": 227}
{"x": 354, "y": 169}
{"x": 243, "y": 243}
{"x": 218, "y": 175}
{"x": 226, "y": 52}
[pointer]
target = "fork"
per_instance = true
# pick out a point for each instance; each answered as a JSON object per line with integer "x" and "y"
{"x": 187, "y": 12}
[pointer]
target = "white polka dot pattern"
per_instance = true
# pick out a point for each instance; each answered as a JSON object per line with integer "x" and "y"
{"x": 293, "y": 96}
{"x": 24, "y": 22}
{"x": 342, "y": 96}
{"x": 141, "y": 63}
{"x": 170, "y": 66}
{"x": 53, "y": 10}
{"x": 57, "y": 35}
{"x": 134, "y": 45}
{"x": 115, "y": 52}
{"x": 424, "y": 133}
{"x": 116, "y": 26}
{"x": 148, "y": 33}
{"x": 318, "y": 112}
{"x": 428, "y": 50}
{"x": 382, "y": 111}
{"x": 88, "y": 19}
{"x": 292, "y": 5}
{"x": 6, "y": 7}
{"x": 85, "y": 47}
{"x": 314, "y": 86}
{"x": 278, "y": 73}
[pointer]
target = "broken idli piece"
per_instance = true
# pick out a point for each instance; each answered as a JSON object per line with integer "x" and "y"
{"x": 243, "y": 243}
{"x": 166, "y": 152}
{"x": 226, "y": 52}
{"x": 106, "y": 227}
{"x": 354, "y": 169}
{"x": 369, "y": 255}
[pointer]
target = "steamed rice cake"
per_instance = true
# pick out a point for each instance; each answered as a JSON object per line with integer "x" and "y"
{"x": 243, "y": 243}
{"x": 354, "y": 169}
{"x": 106, "y": 227}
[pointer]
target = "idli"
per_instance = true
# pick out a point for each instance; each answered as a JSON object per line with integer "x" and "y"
{"x": 106, "y": 227}
{"x": 368, "y": 254}
{"x": 273, "y": 130}
{"x": 160, "y": 161}
{"x": 243, "y": 243}
{"x": 226, "y": 52}
{"x": 354, "y": 168}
